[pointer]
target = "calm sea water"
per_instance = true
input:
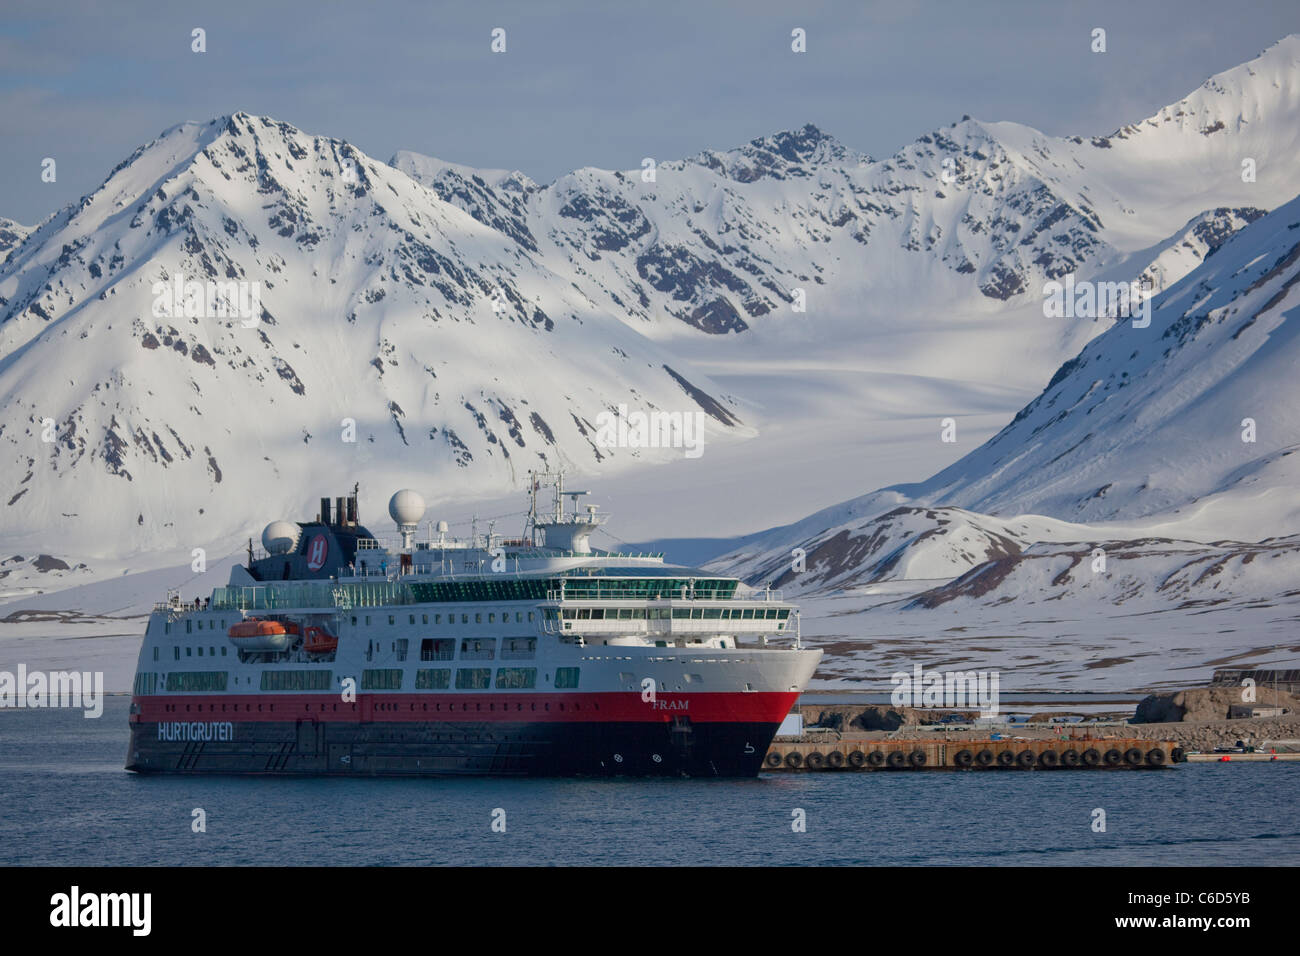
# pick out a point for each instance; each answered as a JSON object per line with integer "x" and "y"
{"x": 65, "y": 799}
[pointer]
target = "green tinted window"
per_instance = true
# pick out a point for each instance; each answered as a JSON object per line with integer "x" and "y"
{"x": 196, "y": 680}
{"x": 432, "y": 678}
{"x": 516, "y": 678}
{"x": 474, "y": 678}
{"x": 384, "y": 678}
{"x": 297, "y": 680}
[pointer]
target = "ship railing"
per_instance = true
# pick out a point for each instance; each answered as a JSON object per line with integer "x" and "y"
{"x": 311, "y": 594}
{"x": 698, "y": 594}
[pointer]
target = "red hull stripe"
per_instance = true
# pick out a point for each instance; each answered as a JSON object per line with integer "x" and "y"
{"x": 503, "y": 707}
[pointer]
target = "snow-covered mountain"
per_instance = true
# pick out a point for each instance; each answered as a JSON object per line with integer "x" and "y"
{"x": 11, "y": 236}
{"x": 1189, "y": 425}
{"x": 474, "y": 323}
{"x": 455, "y": 352}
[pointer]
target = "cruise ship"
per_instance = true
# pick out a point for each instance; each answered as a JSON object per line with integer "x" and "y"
{"x": 337, "y": 651}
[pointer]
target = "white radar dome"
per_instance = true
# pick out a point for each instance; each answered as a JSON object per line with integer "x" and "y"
{"x": 280, "y": 537}
{"x": 406, "y": 507}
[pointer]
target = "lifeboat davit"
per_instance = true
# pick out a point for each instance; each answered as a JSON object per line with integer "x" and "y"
{"x": 317, "y": 640}
{"x": 255, "y": 634}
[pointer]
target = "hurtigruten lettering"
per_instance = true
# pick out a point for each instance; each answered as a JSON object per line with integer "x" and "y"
{"x": 196, "y": 730}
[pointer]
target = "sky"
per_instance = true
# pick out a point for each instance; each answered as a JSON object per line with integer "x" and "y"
{"x": 586, "y": 83}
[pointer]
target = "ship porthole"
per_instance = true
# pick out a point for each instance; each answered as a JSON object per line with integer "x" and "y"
{"x": 656, "y": 758}
{"x": 618, "y": 758}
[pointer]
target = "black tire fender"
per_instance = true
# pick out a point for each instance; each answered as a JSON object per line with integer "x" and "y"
{"x": 857, "y": 758}
{"x": 896, "y": 760}
{"x": 835, "y": 760}
{"x": 794, "y": 759}
{"x": 876, "y": 758}
{"x": 984, "y": 758}
{"x": 1025, "y": 759}
{"x": 1091, "y": 757}
{"x": 814, "y": 760}
{"x": 1155, "y": 757}
{"x": 773, "y": 759}
{"x": 963, "y": 758}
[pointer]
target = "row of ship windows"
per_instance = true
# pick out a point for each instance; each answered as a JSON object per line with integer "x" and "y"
{"x": 466, "y": 705}
{"x": 569, "y": 614}
{"x": 519, "y": 618}
{"x": 471, "y": 648}
{"x": 451, "y": 618}
{"x": 676, "y": 613}
{"x": 430, "y": 678}
{"x": 431, "y": 649}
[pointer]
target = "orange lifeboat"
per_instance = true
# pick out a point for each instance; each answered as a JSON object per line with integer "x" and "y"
{"x": 317, "y": 640}
{"x": 256, "y": 634}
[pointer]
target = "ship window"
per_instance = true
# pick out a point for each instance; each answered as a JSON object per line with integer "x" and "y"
{"x": 516, "y": 678}
{"x": 167, "y": 628}
{"x": 176, "y": 653}
{"x": 492, "y": 618}
{"x": 437, "y": 619}
{"x": 189, "y": 652}
{"x": 367, "y": 620}
{"x": 464, "y": 619}
{"x": 391, "y": 620}
{"x": 518, "y": 618}
{"x": 195, "y": 681}
{"x": 402, "y": 645}
{"x": 477, "y": 650}
{"x": 189, "y": 627}
{"x": 155, "y": 653}
{"x": 518, "y": 648}
{"x": 530, "y": 617}
{"x": 437, "y": 649}
{"x": 200, "y": 651}
{"x": 223, "y": 650}
{"x": 473, "y": 678}
{"x": 354, "y": 620}
{"x": 584, "y": 614}
{"x": 297, "y": 680}
{"x": 424, "y": 619}
{"x": 381, "y": 679}
{"x": 431, "y": 678}
{"x": 566, "y": 677}
{"x": 478, "y": 618}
